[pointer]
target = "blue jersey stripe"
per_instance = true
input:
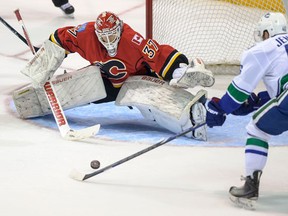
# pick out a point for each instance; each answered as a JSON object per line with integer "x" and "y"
{"x": 256, "y": 152}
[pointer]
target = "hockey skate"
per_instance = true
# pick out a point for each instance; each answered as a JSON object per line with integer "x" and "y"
{"x": 247, "y": 195}
{"x": 68, "y": 9}
{"x": 198, "y": 115}
{"x": 196, "y": 75}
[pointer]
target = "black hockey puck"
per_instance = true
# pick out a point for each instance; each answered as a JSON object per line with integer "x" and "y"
{"x": 95, "y": 164}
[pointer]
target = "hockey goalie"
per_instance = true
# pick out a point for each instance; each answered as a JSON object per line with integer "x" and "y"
{"x": 125, "y": 68}
{"x": 172, "y": 108}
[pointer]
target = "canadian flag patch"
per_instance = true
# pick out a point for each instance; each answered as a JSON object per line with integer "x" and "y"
{"x": 137, "y": 39}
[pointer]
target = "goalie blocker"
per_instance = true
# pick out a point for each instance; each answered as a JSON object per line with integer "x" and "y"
{"x": 45, "y": 62}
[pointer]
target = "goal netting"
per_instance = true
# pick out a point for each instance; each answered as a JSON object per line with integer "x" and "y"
{"x": 218, "y": 31}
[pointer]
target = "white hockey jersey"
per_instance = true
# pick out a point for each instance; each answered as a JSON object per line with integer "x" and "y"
{"x": 267, "y": 60}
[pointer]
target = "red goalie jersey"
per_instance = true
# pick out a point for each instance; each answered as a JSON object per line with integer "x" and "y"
{"x": 135, "y": 55}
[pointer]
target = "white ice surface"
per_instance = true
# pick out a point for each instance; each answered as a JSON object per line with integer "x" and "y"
{"x": 183, "y": 177}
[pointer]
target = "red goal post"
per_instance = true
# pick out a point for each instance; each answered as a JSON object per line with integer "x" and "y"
{"x": 218, "y": 31}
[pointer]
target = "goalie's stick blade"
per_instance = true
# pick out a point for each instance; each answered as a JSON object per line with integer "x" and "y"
{"x": 82, "y": 133}
{"x": 74, "y": 174}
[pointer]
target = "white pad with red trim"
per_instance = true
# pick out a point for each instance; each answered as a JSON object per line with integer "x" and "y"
{"x": 73, "y": 89}
{"x": 170, "y": 107}
{"x": 44, "y": 63}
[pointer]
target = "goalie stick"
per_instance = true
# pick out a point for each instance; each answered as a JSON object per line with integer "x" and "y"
{"x": 81, "y": 177}
{"x": 16, "y": 33}
{"x": 58, "y": 113}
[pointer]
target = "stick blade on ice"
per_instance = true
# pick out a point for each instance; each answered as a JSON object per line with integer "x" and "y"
{"x": 82, "y": 133}
{"x": 74, "y": 174}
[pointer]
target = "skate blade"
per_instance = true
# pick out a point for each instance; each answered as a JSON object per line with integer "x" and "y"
{"x": 245, "y": 203}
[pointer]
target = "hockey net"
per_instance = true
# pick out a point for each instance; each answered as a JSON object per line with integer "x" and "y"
{"x": 218, "y": 31}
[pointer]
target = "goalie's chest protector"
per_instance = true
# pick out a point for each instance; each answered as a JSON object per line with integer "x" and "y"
{"x": 128, "y": 61}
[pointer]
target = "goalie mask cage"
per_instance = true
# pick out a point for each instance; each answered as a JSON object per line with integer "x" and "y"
{"x": 218, "y": 31}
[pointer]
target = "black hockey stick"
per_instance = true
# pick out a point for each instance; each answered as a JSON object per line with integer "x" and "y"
{"x": 81, "y": 177}
{"x": 16, "y": 33}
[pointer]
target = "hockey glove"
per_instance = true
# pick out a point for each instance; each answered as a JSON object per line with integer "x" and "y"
{"x": 252, "y": 103}
{"x": 43, "y": 65}
{"x": 195, "y": 74}
{"x": 215, "y": 115}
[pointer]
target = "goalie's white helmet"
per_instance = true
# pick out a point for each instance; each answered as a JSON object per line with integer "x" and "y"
{"x": 274, "y": 23}
{"x": 108, "y": 28}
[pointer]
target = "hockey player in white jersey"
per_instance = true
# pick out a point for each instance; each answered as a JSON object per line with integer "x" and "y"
{"x": 266, "y": 61}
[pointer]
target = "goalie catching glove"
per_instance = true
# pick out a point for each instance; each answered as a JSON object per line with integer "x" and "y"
{"x": 192, "y": 75}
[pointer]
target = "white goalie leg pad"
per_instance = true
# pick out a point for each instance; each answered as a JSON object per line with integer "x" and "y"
{"x": 170, "y": 107}
{"x": 194, "y": 75}
{"x": 44, "y": 64}
{"x": 73, "y": 89}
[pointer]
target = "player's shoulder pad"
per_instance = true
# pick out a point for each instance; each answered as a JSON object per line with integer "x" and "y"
{"x": 85, "y": 26}
{"x": 131, "y": 35}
